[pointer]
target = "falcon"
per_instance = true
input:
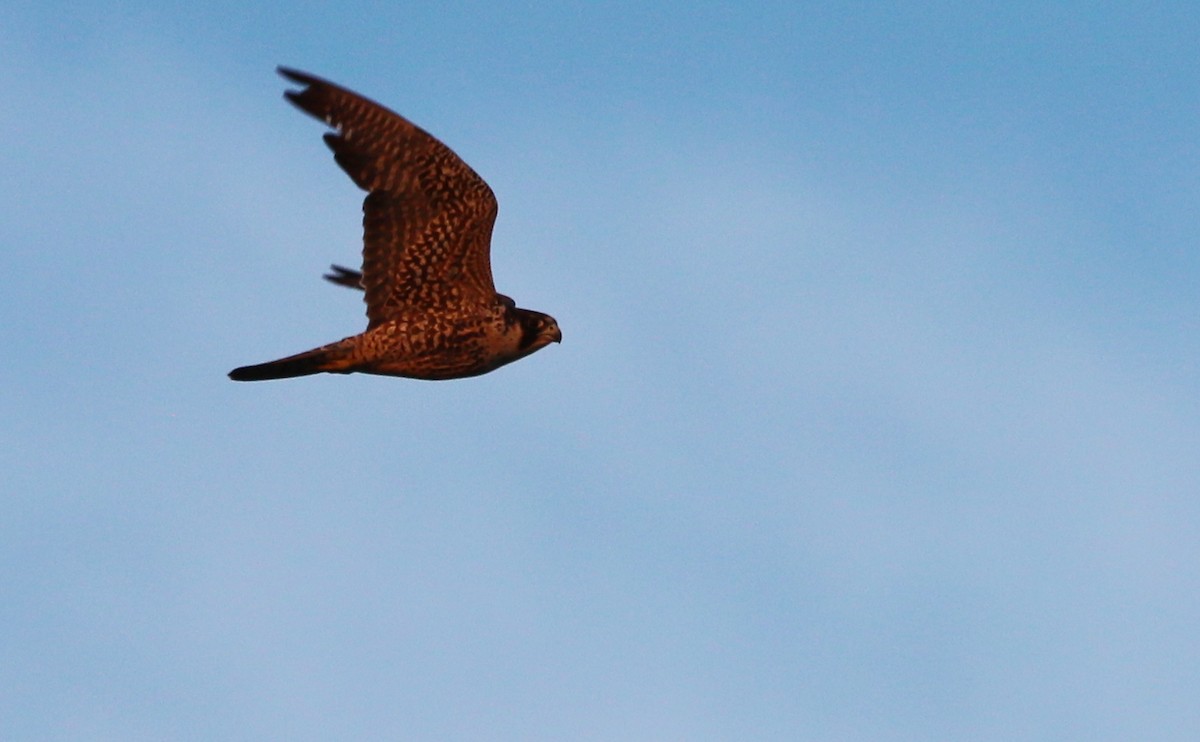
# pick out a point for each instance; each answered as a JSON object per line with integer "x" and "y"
{"x": 432, "y": 309}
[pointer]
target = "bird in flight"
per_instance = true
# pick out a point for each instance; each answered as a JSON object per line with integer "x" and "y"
{"x": 432, "y": 309}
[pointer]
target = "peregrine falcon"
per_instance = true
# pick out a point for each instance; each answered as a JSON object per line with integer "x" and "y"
{"x": 432, "y": 309}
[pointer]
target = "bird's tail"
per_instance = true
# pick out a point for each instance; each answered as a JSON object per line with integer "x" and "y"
{"x": 327, "y": 359}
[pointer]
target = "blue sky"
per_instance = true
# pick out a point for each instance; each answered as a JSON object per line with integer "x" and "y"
{"x": 876, "y": 415}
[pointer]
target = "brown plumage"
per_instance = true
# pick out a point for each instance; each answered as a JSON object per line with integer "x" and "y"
{"x": 432, "y": 309}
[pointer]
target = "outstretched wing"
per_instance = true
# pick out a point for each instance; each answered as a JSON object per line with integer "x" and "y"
{"x": 344, "y": 277}
{"x": 427, "y": 217}
{"x": 352, "y": 279}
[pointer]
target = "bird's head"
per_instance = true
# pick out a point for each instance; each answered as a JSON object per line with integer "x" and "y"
{"x": 537, "y": 330}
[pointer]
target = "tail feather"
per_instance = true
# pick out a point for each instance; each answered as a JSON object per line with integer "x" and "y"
{"x": 301, "y": 364}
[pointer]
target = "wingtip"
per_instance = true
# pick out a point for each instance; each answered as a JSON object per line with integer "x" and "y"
{"x": 303, "y": 98}
{"x": 293, "y": 74}
{"x": 302, "y": 78}
{"x": 344, "y": 277}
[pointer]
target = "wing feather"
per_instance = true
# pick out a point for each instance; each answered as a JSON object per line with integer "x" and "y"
{"x": 427, "y": 216}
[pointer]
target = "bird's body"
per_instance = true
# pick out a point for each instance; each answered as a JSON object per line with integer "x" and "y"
{"x": 452, "y": 344}
{"x": 432, "y": 309}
